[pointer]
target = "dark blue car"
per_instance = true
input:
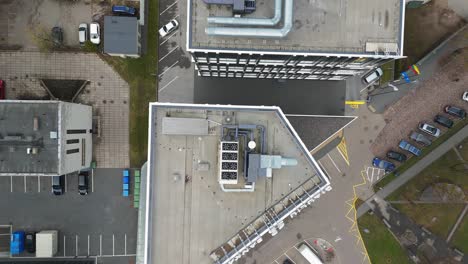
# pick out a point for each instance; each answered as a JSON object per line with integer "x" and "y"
{"x": 123, "y": 10}
{"x": 383, "y": 164}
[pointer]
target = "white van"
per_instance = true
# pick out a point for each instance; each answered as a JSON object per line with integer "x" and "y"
{"x": 309, "y": 255}
{"x": 373, "y": 76}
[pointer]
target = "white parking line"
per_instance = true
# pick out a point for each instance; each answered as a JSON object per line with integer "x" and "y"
{"x": 25, "y": 184}
{"x": 100, "y": 245}
{"x": 64, "y": 247}
{"x": 125, "y": 244}
{"x": 164, "y": 87}
{"x": 76, "y": 245}
{"x": 168, "y": 8}
{"x": 334, "y": 164}
{"x": 323, "y": 168}
{"x": 165, "y": 56}
{"x": 11, "y": 183}
{"x": 38, "y": 183}
{"x": 88, "y": 245}
{"x": 167, "y": 39}
{"x": 113, "y": 245}
{"x": 65, "y": 182}
{"x": 168, "y": 68}
{"x": 289, "y": 257}
{"x": 92, "y": 180}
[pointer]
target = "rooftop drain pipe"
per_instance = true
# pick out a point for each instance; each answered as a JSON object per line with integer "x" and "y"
{"x": 246, "y": 21}
{"x": 257, "y": 32}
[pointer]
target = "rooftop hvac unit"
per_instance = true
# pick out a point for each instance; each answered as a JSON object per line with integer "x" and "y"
{"x": 228, "y": 162}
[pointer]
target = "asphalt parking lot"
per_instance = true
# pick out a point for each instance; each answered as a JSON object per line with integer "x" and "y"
{"x": 102, "y": 223}
{"x": 175, "y": 70}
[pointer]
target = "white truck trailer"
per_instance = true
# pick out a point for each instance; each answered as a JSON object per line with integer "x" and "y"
{"x": 46, "y": 243}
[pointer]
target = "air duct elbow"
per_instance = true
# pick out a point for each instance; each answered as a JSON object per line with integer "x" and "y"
{"x": 245, "y": 21}
{"x": 257, "y": 32}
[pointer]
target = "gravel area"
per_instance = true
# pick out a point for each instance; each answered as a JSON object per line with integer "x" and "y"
{"x": 423, "y": 103}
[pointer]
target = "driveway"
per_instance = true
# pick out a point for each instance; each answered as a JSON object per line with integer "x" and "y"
{"x": 30, "y": 21}
{"x": 106, "y": 92}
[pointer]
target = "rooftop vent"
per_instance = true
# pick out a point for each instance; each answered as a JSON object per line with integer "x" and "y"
{"x": 228, "y": 162}
{"x": 238, "y": 6}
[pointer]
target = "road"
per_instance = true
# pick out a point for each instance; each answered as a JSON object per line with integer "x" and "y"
{"x": 415, "y": 169}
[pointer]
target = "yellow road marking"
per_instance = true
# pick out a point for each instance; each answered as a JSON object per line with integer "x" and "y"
{"x": 354, "y": 104}
{"x": 352, "y": 216}
{"x": 343, "y": 150}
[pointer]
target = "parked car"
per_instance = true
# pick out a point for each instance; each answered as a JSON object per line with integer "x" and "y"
{"x": 429, "y": 129}
{"x": 2, "y": 89}
{"x": 443, "y": 121}
{"x": 455, "y": 111}
{"x": 95, "y": 33}
{"x": 287, "y": 261}
{"x": 83, "y": 33}
{"x": 373, "y": 76}
{"x": 410, "y": 148}
{"x": 420, "y": 138}
{"x": 168, "y": 28}
{"x": 57, "y": 36}
{"x": 58, "y": 185}
{"x": 123, "y": 10}
{"x": 83, "y": 183}
{"x": 396, "y": 156}
{"x": 30, "y": 242}
{"x": 383, "y": 164}
{"x": 465, "y": 96}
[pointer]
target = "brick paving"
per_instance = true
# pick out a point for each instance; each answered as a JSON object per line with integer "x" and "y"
{"x": 106, "y": 92}
{"x": 424, "y": 102}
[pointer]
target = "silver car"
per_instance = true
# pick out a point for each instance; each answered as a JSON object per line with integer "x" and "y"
{"x": 429, "y": 129}
{"x": 83, "y": 33}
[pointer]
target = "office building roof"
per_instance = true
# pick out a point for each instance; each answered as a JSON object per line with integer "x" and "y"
{"x": 188, "y": 208}
{"x": 29, "y": 125}
{"x": 355, "y": 28}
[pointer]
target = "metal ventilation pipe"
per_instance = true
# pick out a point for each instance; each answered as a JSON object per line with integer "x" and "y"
{"x": 246, "y": 21}
{"x": 258, "y": 32}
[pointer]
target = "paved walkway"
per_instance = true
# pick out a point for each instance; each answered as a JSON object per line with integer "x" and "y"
{"x": 427, "y": 65}
{"x": 415, "y": 169}
{"x": 459, "y": 220}
{"x": 106, "y": 92}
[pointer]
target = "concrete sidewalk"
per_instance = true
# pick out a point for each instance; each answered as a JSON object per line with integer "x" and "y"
{"x": 414, "y": 170}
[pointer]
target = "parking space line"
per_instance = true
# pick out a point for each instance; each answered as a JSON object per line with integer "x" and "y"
{"x": 25, "y": 184}
{"x": 64, "y": 247}
{"x": 100, "y": 245}
{"x": 92, "y": 180}
{"x": 165, "y": 56}
{"x": 125, "y": 250}
{"x": 11, "y": 183}
{"x": 165, "y": 86}
{"x": 168, "y": 68}
{"x": 168, "y": 8}
{"x": 65, "y": 182}
{"x": 334, "y": 164}
{"x": 167, "y": 39}
{"x": 88, "y": 246}
{"x": 289, "y": 257}
{"x": 38, "y": 183}
{"x": 113, "y": 245}
{"x": 76, "y": 245}
{"x": 323, "y": 168}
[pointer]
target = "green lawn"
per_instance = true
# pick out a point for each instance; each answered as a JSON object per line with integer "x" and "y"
{"x": 388, "y": 72}
{"x": 139, "y": 73}
{"x": 460, "y": 239}
{"x": 411, "y": 161}
{"x": 381, "y": 245}
{"x": 438, "y": 218}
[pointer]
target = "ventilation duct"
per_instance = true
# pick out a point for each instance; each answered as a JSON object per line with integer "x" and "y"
{"x": 257, "y": 32}
{"x": 250, "y": 21}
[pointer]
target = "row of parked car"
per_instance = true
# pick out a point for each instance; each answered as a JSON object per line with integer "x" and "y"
{"x": 58, "y": 183}
{"x": 421, "y": 138}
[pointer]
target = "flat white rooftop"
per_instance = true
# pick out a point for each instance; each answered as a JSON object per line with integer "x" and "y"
{"x": 189, "y": 214}
{"x": 319, "y": 26}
